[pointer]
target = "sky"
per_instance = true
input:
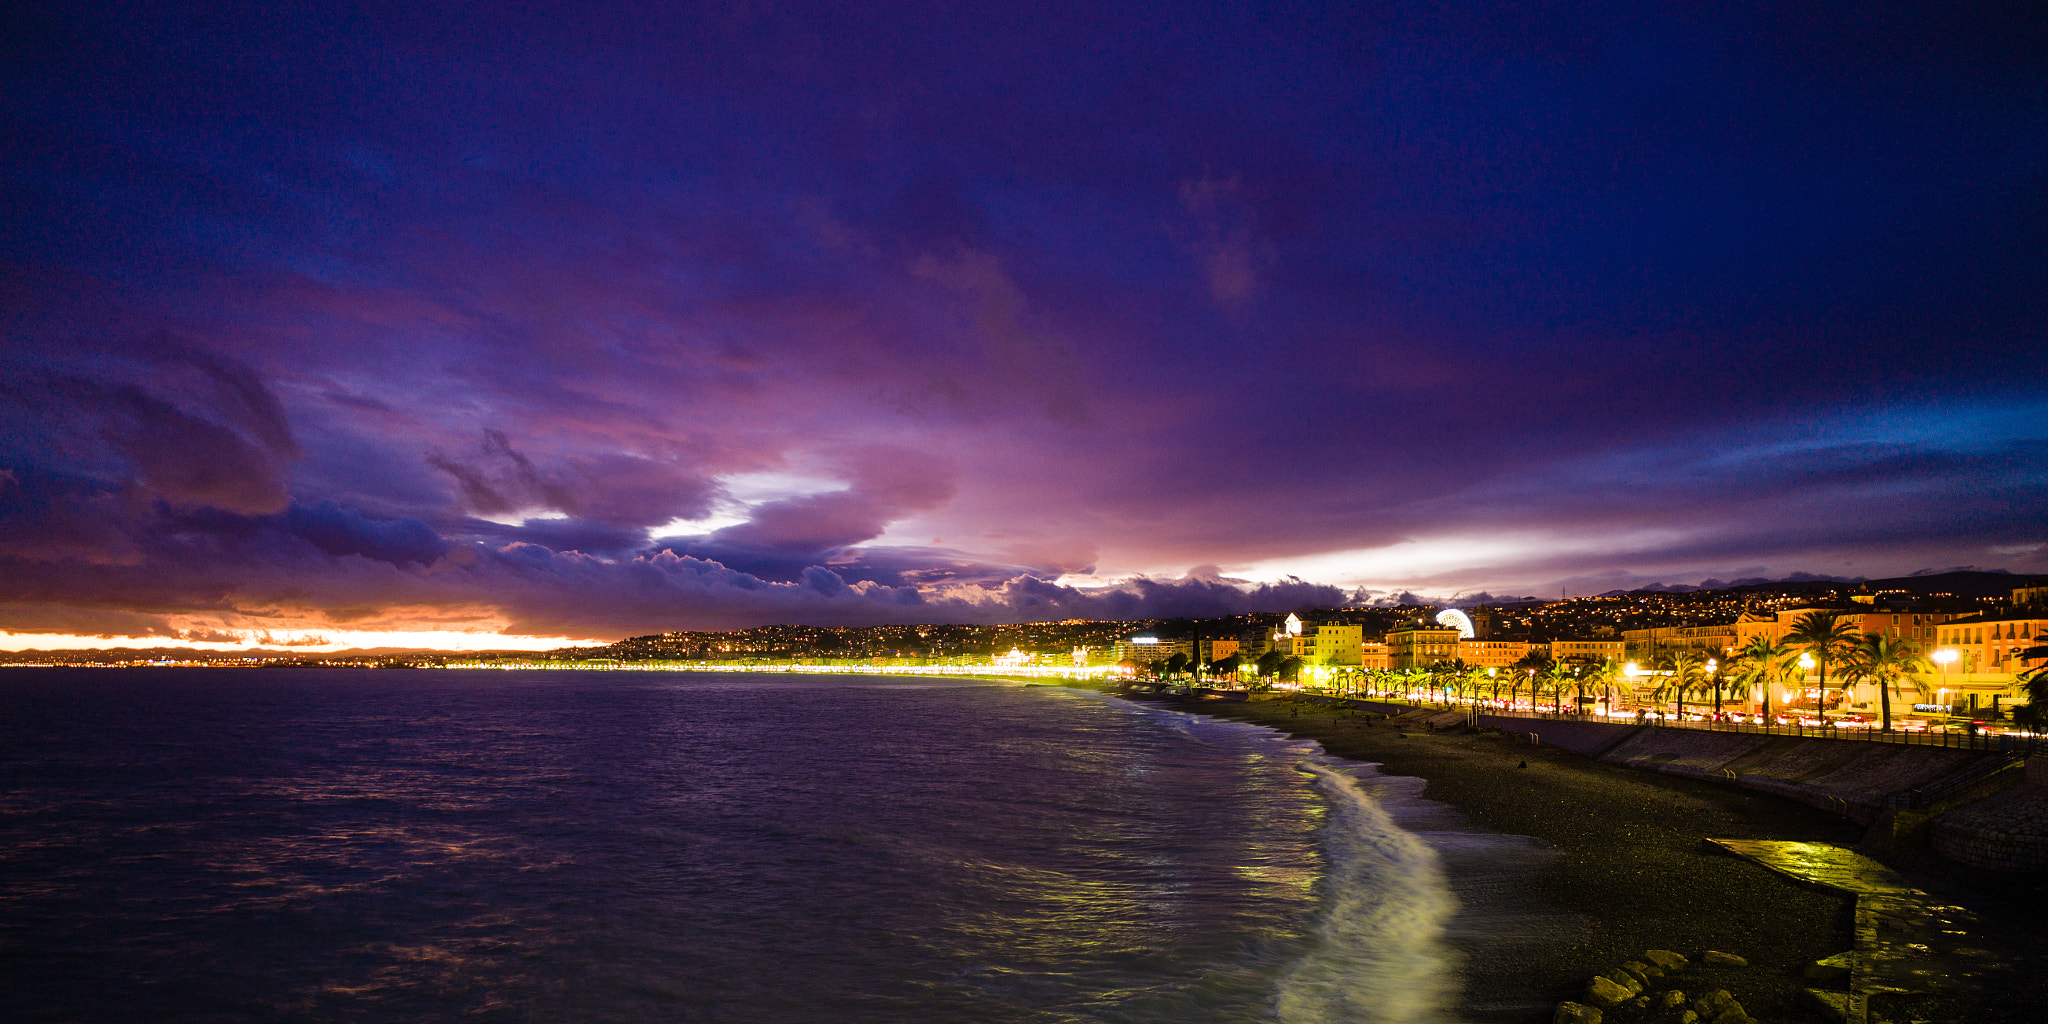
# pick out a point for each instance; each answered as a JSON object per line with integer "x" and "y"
{"x": 579, "y": 321}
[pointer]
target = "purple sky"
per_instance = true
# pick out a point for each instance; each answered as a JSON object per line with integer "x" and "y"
{"x": 587, "y": 321}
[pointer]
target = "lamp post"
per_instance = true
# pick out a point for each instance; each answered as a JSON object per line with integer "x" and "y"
{"x": 1713, "y": 667}
{"x": 1944, "y": 657}
{"x": 1805, "y": 666}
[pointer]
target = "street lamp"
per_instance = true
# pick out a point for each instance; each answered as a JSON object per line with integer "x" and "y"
{"x": 1943, "y": 657}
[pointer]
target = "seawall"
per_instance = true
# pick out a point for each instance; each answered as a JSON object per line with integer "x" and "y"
{"x": 1855, "y": 778}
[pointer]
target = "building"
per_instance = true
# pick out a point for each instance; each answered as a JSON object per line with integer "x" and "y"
{"x": 1494, "y": 653}
{"x": 1914, "y": 625}
{"x": 1145, "y": 650}
{"x": 1645, "y": 646}
{"x": 1331, "y": 643}
{"x": 1421, "y": 646}
{"x": 1588, "y": 650}
{"x": 1218, "y": 649}
{"x": 1991, "y": 643}
{"x": 1374, "y": 655}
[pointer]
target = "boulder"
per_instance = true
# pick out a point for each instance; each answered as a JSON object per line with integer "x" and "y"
{"x": 1687, "y": 1017}
{"x": 1665, "y": 960}
{"x": 1671, "y": 1000}
{"x": 1716, "y": 958}
{"x": 1718, "y": 1007}
{"x": 1633, "y": 984}
{"x": 1639, "y": 1003}
{"x": 1601, "y": 992}
{"x": 1642, "y": 970}
{"x": 1710, "y": 1005}
{"x": 1575, "y": 1013}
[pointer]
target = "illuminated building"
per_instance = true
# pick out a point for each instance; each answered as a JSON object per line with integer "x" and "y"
{"x": 1421, "y": 646}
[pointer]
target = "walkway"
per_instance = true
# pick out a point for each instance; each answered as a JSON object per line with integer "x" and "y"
{"x": 1907, "y": 943}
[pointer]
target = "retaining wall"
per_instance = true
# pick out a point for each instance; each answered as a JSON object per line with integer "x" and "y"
{"x": 1850, "y": 777}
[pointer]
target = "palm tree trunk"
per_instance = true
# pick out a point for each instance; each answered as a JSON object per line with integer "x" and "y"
{"x": 1884, "y": 701}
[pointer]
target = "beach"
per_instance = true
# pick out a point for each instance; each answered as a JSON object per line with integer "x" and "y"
{"x": 1631, "y": 868}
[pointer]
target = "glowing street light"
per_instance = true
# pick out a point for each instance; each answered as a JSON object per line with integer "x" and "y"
{"x": 1943, "y": 657}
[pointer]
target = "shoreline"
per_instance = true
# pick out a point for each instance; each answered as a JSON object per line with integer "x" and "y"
{"x": 1628, "y": 869}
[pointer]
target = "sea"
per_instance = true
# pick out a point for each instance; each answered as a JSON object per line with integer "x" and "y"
{"x": 212, "y": 845}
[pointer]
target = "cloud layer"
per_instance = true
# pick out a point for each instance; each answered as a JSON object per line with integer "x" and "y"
{"x": 615, "y": 318}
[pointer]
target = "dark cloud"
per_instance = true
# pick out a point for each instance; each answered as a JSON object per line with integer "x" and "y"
{"x": 222, "y": 445}
{"x": 340, "y": 531}
{"x": 299, "y": 317}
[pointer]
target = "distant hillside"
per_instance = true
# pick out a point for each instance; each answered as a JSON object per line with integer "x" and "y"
{"x": 1961, "y": 583}
{"x": 1964, "y": 583}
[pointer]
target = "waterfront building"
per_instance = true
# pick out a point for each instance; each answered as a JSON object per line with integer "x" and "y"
{"x": 1910, "y": 623}
{"x": 1991, "y": 642}
{"x": 1421, "y": 646}
{"x": 1374, "y": 654}
{"x": 1331, "y": 643}
{"x": 1218, "y": 649}
{"x": 1645, "y": 646}
{"x": 1494, "y": 653}
{"x": 1588, "y": 650}
{"x": 1145, "y": 650}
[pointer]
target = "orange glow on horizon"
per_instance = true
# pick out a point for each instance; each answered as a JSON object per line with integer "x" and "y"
{"x": 325, "y": 641}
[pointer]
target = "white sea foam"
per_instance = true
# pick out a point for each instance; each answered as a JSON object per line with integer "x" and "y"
{"x": 1379, "y": 954}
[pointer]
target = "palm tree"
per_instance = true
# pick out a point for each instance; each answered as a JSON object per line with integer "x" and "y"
{"x": 1557, "y": 674}
{"x": 1825, "y": 637}
{"x": 1475, "y": 677}
{"x": 1761, "y": 662}
{"x": 1604, "y": 673}
{"x": 1687, "y": 667}
{"x": 1885, "y": 661}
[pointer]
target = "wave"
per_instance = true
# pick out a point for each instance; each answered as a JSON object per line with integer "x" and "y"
{"x": 1379, "y": 954}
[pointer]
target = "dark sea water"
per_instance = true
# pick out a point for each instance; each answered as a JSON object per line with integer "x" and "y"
{"x": 255, "y": 845}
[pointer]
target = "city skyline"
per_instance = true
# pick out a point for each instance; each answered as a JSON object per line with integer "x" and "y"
{"x": 580, "y": 323}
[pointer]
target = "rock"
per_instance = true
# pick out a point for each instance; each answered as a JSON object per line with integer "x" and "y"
{"x": 1718, "y": 1007}
{"x": 1575, "y": 1013}
{"x": 1601, "y": 992}
{"x": 1710, "y": 1005}
{"x": 1831, "y": 972}
{"x": 1832, "y": 1005}
{"x": 1665, "y": 959}
{"x": 1687, "y": 1017}
{"x": 1633, "y": 984}
{"x": 1671, "y": 1000}
{"x": 1639, "y": 1003}
{"x": 1642, "y": 970}
{"x": 1716, "y": 958}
